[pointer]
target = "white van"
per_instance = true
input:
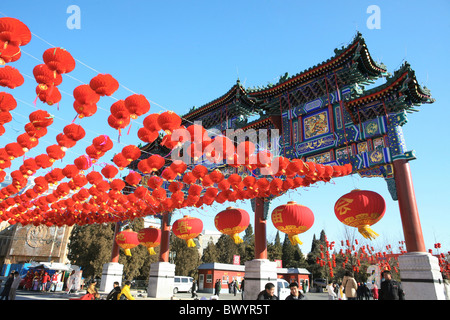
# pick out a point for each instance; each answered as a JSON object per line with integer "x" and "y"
{"x": 283, "y": 289}
{"x": 182, "y": 284}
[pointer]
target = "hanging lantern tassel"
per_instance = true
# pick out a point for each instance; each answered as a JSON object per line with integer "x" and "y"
{"x": 190, "y": 243}
{"x": 151, "y": 251}
{"x": 128, "y": 252}
{"x": 367, "y": 232}
{"x": 236, "y": 238}
{"x": 295, "y": 239}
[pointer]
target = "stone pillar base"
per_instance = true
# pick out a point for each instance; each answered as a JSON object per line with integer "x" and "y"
{"x": 421, "y": 277}
{"x": 112, "y": 272}
{"x": 160, "y": 281}
{"x": 258, "y": 272}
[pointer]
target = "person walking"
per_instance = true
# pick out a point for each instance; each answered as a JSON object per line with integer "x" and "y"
{"x": 45, "y": 280}
{"x": 350, "y": 286}
{"x": 366, "y": 291}
{"x": 14, "y": 286}
{"x": 125, "y": 293}
{"x": 242, "y": 288}
{"x": 54, "y": 281}
{"x": 375, "y": 291}
{"x": 341, "y": 294}
{"x": 7, "y": 287}
{"x": 217, "y": 287}
{"x": 331, "y": 294}
{"x": 390, "y": 289}
{"x": 112, "y": 295}
{"x": 296, "y": 294}
{"x": 194, "y": 289}
{"x": 268, "y": 293}
{"x": 234, "y": 287}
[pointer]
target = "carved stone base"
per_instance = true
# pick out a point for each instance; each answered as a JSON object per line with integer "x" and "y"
{"x": 112, "y": 272}
{"x": 160, "y": 282}
{"x": 258, "y": 272}
{"x": 421, "y": 277}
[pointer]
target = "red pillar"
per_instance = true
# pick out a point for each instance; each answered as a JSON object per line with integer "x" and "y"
{"x": 115, "y": 249}
{"x": 165, "y": 238}
{"x": 260, "y": 230}
{"x": 409, "y": 213}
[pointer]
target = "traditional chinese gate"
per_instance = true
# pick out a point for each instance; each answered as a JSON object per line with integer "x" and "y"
{"x": 324, "y": 115}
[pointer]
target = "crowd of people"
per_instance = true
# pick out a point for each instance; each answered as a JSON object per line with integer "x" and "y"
{"x": 349, "y": 289}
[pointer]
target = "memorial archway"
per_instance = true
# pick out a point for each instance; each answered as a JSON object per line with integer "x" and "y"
{"x": 327, "y": 123}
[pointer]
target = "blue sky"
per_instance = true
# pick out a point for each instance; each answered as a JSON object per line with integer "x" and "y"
{"x": 181, "y": 54}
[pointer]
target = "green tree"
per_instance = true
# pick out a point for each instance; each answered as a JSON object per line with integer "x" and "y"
{"x": 275, "y": 249}
{"x": 210, "y": 253}
{"x": 90, "y": 247}
{"x": 187, "y": 259}
{"x": 246, "y": 249}
{"x": 292, "y": 256}
{"x": 226, "y": 249}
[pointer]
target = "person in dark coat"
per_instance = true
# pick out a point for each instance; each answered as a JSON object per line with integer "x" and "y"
{"x": 7, "y": 287}
{"x": 268, "y": 293}
{"x": 390, "y": 289}
{"x": 295, "y": 293}
{"x": 112, "y": 295}
{"x": 194, "y": 289}
{"x": 217, "y": 287}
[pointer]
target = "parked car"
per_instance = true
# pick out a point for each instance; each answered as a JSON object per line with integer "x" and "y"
{"x": 282, "y": 289}
{"x": 319, "y": 282}
{"x": 182, "y": 284}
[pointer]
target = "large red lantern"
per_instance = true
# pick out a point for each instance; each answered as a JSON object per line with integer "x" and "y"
{"x": 232, "y": 221}
{"x": 361, "y": 209}
{"x": 127, "y": 240}
{"x": 187, "y": 228}
{"x": 292, "y": 219}
{"x": 150, "y": 238}
{"x": 10, "y": 77}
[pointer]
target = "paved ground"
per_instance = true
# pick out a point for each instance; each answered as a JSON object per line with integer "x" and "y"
{"x": 141, "y": 295}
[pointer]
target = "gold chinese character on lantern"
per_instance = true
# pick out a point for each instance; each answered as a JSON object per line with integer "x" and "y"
{"x": 342, "y": 206}
{"x": 277, "y": 217}
{"x": 183, "y": 227}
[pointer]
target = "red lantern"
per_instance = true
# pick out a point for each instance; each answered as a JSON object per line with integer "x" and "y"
{"x": 84, "y": 109}
{"x": 151, "y": 122}
{"x": 14, "y": 31}
{"x": 83, "y": 94}
{"x": 74, "y": 132}
{"x": 146, "y": 135}
{"x": 46, "y": 77}
{"x": 104, "y": 84}
{"x": 55, "y": 152}
{"x": 59, "y": 60}
{"x": 120, "y": 161}
{"x": 133, "y": 178}
{"x": 127, "y": 240}
{"x": 169, "y": 121}
{"x": 232, "y": 221}
{"x": 292, "y": 219}
{"x": 49, "y": 95}
{"x": 10, "y": 77}
{"x": 40, "y": 119}
{"x": 150, "y": 237}
{"x": 187, "y": 228}
{"x": 110, "y": 171}
{"x": 361, "y": 209}
{"x": 155, "y": 162}
{"x": 137, "y": 105}
{"x": 7, "y": 102}
{"x": 131, "y": 152}
{"x": 9, "y": 52}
